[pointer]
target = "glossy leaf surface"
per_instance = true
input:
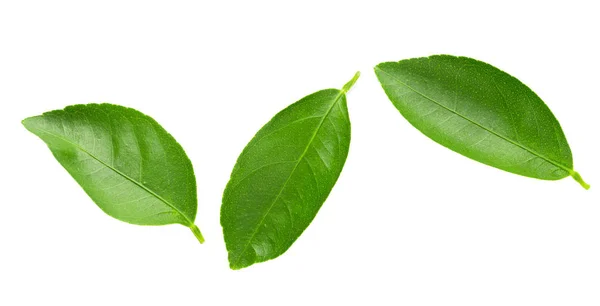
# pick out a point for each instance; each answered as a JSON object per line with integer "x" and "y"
{"x": 124, "y": 160}
{"x": 284, "y": 175}
{"x": 480, "y": 112}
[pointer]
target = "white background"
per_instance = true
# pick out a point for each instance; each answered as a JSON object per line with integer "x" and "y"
{"x": 408, "y": 223}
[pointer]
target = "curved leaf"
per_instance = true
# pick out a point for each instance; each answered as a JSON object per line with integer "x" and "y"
{"x": 124, "y": 160}
{"x": 480, "y": 112}
{"x": 284, "y": 175}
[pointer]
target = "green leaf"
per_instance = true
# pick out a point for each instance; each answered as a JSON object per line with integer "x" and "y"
{"x": 480, "y": 112}
{"x": 284, "y": 175}
{"x": 124, "y": 160}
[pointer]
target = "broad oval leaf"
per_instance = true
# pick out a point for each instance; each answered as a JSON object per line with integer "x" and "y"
{"x": 284, "y": 175}
{"x": 480, "y": 112}
{"x": 124, "y": 160}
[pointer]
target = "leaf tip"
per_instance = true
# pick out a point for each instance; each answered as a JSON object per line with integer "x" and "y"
{"x": 28, "y": 122}
{"x": 235, "y": 265}
{"x": 24, "y": 121}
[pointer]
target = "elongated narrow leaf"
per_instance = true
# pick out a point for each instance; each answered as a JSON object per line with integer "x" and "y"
{"x": 124, "y": 160}
{"x": 480, "y": 112}
{"x": 284, "y": 175}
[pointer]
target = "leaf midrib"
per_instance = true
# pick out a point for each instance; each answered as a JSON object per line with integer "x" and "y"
{"x": 139, "y": 184}
{"x": 335, "y": 101}
{"x": 549, "y": 160}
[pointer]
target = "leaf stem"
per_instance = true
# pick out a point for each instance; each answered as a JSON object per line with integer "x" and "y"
{"x": 348, "y": 85}
{"x": 197, "y": 233}
{"x": 580, "y": 180}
